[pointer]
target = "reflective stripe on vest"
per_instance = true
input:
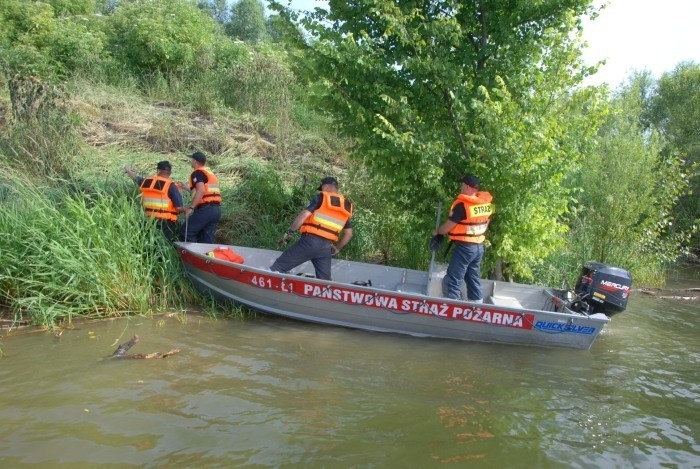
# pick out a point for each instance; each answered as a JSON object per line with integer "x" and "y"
{"x": 328, "y": 220}
{"x": 155, "y": 200}
{"x": 212, "y": 193}
{"x": 478, "y": 209}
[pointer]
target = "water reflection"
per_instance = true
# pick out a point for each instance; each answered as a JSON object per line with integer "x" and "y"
{"x": 269, "y": 392}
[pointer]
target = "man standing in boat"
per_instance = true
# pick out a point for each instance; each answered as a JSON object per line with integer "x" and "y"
{"x": 466, "y": 226}
{"x": 160, "y": 197}
{"x": 320, "y": 223}
{"x": 204, "y": 213}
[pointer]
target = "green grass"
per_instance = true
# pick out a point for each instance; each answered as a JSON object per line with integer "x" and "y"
{"x": 82, "y": 251}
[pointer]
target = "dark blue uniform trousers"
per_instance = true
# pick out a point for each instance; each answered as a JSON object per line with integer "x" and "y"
{"x": 465, "y": 265}
{"x": 309, "y": 248}
{"x": 201, "y": 225}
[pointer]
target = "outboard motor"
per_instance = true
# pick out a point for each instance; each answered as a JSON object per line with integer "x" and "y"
{"x": 603, "y": 289}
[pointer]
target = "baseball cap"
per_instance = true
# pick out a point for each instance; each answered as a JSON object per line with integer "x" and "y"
{"x": 471, "y": 180}
{"x": 328, "y": 180}
{"x": 164, "y": 165}
{"x": 199, "y": 156}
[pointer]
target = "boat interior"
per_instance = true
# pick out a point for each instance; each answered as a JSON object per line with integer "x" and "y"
{"x": 397, "y": 279}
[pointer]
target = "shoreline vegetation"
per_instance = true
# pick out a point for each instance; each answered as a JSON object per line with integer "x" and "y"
{"x": 86, "y": 91}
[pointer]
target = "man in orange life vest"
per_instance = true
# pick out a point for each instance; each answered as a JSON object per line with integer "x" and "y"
{"x": 320, "y": 224}
{"x": 160, "y": 197}
{"x": 466, "y": 226}
{"x": 204, "y": 213}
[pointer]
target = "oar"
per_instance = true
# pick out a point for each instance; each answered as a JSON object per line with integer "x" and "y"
{"x": 432, "y": 252}
{"x": 187, "y": 219}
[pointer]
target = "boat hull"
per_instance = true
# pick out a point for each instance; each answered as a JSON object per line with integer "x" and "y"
{"x": 378, "y": 308}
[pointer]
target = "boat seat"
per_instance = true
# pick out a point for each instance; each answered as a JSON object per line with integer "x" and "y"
{"x": 505, "y": 301}
{"x": 411, "y": 288}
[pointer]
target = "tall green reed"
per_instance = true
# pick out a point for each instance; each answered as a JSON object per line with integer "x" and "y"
{"x": 45, "y": 146}
{"x": 71, "y": 251}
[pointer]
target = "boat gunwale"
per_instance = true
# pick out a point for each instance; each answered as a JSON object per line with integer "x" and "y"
{"x": 412, "y": 295}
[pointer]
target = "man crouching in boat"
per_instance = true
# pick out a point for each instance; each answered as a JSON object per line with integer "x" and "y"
{"x": 466, "y": 226}
{"x": 320, "y": 224}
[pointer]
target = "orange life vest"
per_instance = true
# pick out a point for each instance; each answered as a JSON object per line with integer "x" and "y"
{"x": 479, "y": 209}
{"x": 227, "y": 254}
{"x": 328, "y": 220}
{"x": 212, "y": 192}
{"x": 155, "y": 200}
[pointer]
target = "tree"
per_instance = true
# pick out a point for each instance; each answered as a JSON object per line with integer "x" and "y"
{"x": 107, "y": 7}
{"x": 281, "y": 31}
{"x": 169, "y": 36}
{"x": 430, "y": 89}
{"x": 674, "y": 109}
{"x": 247, "y": 21}
{"x": 628, "y": 187}
{"x": 217, "y": 9}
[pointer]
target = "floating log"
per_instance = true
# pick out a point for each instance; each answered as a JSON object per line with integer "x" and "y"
{"x": 655, "y": 293}
{"x": 120, "y": 352}
{"x": 684, "y": 298}
{"x": 653, "y": 290}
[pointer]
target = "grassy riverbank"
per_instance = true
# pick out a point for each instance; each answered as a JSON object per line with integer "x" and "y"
{"x": 80, "y": 245}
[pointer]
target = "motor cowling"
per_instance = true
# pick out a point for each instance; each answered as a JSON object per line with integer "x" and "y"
{"x": 603, "y": 288}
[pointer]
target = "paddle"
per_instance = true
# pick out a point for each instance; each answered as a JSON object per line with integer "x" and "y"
{"x": 433, "y": 244}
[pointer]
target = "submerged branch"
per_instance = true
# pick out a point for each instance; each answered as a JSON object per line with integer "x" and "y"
{"x": 120, "y": 352}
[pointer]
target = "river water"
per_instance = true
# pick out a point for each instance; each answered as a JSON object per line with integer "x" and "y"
{"x": 269, "y": 392}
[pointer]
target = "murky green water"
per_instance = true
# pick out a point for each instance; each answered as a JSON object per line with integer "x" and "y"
{"x": 277, "y": 393}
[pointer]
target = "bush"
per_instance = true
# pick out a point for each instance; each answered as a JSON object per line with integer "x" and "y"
{"x": 260, "y": 206}
{"x": 168, "y": 36}
{"x": 43, "y": 46}
{"x": 260, "y": 85}
{"x": 78, "y": 251}
{"x": 73, "y": 45}
{"x": 72, "y": 7}
{"x": 26, "y": 60}
{"x": 20, "y": 19}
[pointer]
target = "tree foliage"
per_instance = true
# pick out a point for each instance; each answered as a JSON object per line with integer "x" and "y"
{"x": 72, "y": 7}
{"x": 217, "y": 9}
{"x": 430, "y": 89}
{"x": 674, "y": 109}
{"x": 623, "y": 213}
{"x": 20, "y": 20}
{"x": 73, "y": 45}
{"x": 169, "y": 36}
{"x": 49, "y": 38}
{"x": 247, "y": 21}
{"x": 281, "y": 31}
